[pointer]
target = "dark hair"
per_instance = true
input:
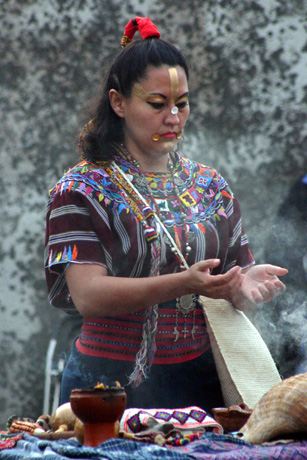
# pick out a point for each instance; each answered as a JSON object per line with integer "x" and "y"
{"x": 129, "y": 67}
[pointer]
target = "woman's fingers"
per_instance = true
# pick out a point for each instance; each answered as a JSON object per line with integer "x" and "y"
{"x": 274, "y": 270}
{"x": 275, "y": 287}
{"x": 267, "y": 291}
{"x": 227, "y": 285}
{"x": 220, "y": 286}
{"x": 228, "y": 277}
{"x": 205, "y": 265}
{"x": 257, "y": 297}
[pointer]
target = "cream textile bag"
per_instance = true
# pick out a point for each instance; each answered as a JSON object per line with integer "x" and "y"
{"x": 244, "y": 364}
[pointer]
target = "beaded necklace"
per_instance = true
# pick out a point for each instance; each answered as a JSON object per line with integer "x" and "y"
{"x": 185, "y": 304}
{"x": 183, "y": 216}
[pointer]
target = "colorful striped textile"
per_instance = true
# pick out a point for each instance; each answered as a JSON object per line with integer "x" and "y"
{"x": 210, "y": 446}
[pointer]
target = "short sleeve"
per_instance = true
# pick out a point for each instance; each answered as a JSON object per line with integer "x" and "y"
{"x": 238, "y": 252}
{"x": 71, "y": 237}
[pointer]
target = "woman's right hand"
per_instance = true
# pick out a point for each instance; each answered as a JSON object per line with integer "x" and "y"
{"x": 224, "y": 286}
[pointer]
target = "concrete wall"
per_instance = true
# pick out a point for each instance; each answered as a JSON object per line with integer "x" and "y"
{"x": 248, "y": 119}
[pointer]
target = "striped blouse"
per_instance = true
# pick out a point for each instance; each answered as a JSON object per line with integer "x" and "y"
{"x": 93, "y": 217}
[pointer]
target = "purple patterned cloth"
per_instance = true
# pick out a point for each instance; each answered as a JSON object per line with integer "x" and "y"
{"x": 210, "y": 447}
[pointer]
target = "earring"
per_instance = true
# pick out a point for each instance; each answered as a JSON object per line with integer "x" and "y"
{"x": 179, "y": 146}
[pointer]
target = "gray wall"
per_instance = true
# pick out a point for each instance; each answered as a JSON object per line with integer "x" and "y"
{"x": 248, "y": 119}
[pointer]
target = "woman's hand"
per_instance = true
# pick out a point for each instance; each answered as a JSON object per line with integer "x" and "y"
{"x": 260, "y": 284}
{"x": 224, "y": 286}
{"x": 94, "y": 293}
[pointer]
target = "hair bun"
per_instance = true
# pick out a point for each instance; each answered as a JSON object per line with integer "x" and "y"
{"x": 144, "y": 25}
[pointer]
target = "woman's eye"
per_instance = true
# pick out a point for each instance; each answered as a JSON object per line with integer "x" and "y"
{"x": 156, "y": 105}
{"x": 182, "y": 105}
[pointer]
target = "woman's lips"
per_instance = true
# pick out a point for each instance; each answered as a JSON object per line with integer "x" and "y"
{"x": 169, "y": 135}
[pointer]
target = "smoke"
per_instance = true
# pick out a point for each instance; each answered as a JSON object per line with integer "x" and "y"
{"x": 282, "y": 325}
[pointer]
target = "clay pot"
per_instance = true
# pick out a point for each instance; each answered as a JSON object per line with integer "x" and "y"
{"x": 232, "y": 418}
{"x": 99, "y": 410}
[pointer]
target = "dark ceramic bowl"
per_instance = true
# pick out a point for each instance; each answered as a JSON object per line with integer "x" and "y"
{"x": 99, "y": 410}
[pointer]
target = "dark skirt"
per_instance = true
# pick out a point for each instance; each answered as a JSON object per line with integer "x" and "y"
{"x": 192, "y": 383}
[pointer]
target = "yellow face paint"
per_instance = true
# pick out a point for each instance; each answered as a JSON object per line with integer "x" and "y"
{"x": 173, "y": 75}
{"x": 184, "y": 98}
{"x": 140, "y": 92}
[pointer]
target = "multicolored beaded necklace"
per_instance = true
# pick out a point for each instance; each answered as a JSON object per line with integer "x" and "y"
{"x": 185, "y": 304}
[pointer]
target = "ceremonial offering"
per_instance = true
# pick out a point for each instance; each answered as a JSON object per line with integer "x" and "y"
{"x": 100, "y": 409}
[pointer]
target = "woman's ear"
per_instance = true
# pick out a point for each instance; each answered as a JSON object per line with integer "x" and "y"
{"x": 117, "y": 102}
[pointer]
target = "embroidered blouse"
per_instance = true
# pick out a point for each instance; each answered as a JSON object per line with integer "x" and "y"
{"x": 94, "y": 217}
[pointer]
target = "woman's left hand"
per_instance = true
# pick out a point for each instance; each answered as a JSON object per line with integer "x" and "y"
{"x": 260, "y": 284}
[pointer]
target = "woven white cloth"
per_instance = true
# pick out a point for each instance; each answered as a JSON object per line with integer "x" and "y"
{"x": 244, "y": 364}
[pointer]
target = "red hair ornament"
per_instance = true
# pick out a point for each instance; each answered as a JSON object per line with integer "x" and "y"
{"x": 144, "y": 25}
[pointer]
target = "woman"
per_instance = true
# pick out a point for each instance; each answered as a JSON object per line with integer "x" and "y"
{"x": 135, "y": 233}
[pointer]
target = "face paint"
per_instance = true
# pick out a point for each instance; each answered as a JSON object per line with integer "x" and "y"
{"x": 142, "y": 94}
{"x": 173, "y": 75}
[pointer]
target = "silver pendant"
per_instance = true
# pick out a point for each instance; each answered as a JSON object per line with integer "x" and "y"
{"x": 176, "y": 334}
{"x": 186, "y": 303}
{"x": 179, "y": 182}
{"x": 141, "y": 181}
{"x": 191, "y": 236}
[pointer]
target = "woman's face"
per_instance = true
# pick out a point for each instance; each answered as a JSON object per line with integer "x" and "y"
{"x": 155, "y": 114}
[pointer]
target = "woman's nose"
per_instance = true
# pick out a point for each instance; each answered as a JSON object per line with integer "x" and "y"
{"x": 172, "y": 118}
